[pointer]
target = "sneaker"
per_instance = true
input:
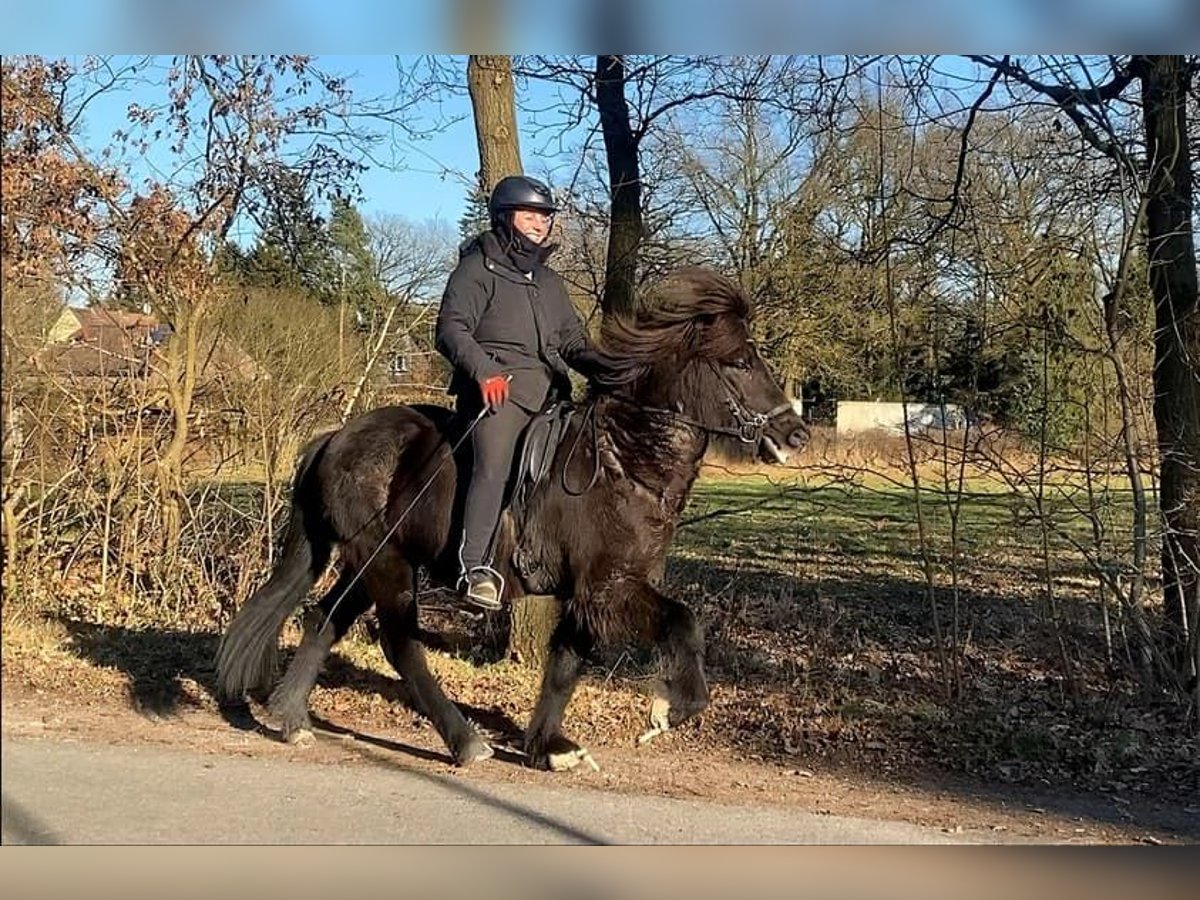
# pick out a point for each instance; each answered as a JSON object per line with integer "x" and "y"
{"x": 480, "y": 588}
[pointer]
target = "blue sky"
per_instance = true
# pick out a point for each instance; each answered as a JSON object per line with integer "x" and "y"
{"x": 419, "y": 179}
{"x": 422, "y": 178}
{"x": 425, "y": 179}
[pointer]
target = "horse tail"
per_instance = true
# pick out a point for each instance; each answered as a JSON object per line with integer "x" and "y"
{"x": 246, "y": 659}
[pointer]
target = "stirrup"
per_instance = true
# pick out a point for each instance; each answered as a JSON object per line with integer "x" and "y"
{"x": 493, "y": 589}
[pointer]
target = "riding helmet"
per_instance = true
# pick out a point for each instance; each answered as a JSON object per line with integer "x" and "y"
{"x": 520, "y": 192}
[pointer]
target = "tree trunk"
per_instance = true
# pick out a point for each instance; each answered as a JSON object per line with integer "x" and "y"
{"x": 493, "y": 102}
{"x": 625, "y": 188}
{"x": 532, "y": 622}
{"x": 1171, "y": 253}
{"x": 182, "y": 363}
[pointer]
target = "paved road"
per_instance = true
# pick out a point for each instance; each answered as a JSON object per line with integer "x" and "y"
{"x": 76, "y": 793}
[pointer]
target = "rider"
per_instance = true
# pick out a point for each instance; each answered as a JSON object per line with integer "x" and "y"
{"x": 509, "y": 330}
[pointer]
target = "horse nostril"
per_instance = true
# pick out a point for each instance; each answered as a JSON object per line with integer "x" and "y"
{"x": 797, "y": 438}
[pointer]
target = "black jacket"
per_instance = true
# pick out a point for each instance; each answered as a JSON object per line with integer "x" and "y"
{"x": 496, "y": 320}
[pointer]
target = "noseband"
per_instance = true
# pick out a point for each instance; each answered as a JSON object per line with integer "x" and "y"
{"x": 748, "y": 426}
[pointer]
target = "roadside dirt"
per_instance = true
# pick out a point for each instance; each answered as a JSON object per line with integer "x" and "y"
{"x": 63, "y": 688}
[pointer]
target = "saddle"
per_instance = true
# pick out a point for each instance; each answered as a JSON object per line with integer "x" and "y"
{"x": 538, "y": 445}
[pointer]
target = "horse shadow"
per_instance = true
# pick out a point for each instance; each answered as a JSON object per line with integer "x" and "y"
{"x": 864, "y": 646}
{"x": 169, "y": 670}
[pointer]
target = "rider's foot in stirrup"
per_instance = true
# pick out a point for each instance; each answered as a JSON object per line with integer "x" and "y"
{"x": 480, "y": 587}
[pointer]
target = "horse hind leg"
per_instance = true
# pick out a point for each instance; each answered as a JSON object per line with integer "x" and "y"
{"x": 545, "y": 744}
{"x": 398, "y": 638}
{"x": 289, "y": 701}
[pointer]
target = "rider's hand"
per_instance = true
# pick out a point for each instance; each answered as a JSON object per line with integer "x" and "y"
{"x": 494, "y": 390}
{"x": 604, "y": 369}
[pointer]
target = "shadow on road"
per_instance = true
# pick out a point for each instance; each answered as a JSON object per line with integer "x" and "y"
{"x": 367, "y": 746}
{"x": 19, "y": 826}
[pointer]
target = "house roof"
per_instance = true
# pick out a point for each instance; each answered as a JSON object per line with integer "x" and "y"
{"x": 94, "y": 319}
{"x": 116, "y": 342}
{"x": 92, "y": 359}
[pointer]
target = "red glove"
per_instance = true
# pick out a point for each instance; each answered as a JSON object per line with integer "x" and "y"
{"x": 494, "y": 390}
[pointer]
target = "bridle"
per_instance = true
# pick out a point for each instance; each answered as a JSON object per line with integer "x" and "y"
{"x": 748, "y": 426}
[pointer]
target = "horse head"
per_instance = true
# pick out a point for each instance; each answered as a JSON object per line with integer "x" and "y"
{"x": 699, "y": 362}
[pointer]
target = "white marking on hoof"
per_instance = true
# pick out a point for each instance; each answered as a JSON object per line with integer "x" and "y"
{"x": 478, "y": 753}
{"x": 660, "y": 716}
{"x": 565, "y": 762}
{"x": 660, "y": 713}
{"x": 301, "y": 737}
{"x": 647, "y": 736}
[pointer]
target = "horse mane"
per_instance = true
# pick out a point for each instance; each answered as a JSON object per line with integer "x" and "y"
{"x": 694, "y": 312}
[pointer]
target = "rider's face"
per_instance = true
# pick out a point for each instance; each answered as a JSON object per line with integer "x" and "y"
{"x": 533, "y": 223}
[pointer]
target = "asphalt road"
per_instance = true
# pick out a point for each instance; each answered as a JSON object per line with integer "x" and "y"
{"x": 77, "y": 793}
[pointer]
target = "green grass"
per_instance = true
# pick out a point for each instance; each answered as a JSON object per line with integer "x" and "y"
{"x": 873, "y": 524}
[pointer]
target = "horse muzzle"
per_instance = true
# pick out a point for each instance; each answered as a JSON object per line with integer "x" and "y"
{"x": 773, "y": 450}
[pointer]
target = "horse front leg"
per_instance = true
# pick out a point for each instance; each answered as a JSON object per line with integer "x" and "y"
{"x": 682, "y": 691}
{"x": 545, "y": 744}
{"x": 398, "y": 638}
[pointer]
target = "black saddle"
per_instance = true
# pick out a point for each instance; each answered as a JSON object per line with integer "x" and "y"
{"x": 538, "y": 444}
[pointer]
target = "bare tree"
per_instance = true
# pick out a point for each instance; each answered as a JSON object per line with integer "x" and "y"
{"x": 231, "y": 126}
{"x": 1171, "y": 251}
{"x": 411, "y": 263}
{"x": 625, "y": 187}
{"x": 1160, "y": 173}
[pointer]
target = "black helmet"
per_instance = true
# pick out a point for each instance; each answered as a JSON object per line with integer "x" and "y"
{"x": 520, "y": 191}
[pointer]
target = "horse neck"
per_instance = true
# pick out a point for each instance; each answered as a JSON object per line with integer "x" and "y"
{"x": 653, "y": 448}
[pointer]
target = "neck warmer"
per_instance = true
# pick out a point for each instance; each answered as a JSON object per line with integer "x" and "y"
{"x": 524, "y": 253}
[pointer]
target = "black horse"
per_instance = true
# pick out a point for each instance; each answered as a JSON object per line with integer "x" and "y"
{"x": 594, "y": 532}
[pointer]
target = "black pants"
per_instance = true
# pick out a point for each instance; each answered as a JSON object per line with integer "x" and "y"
{"x": 494, "y": 441}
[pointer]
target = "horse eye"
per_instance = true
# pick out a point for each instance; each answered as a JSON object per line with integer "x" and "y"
{"x": 745, "y": 364}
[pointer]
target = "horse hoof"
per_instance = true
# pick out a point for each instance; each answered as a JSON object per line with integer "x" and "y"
{"x": 474, "y": 750}
{"x": 660, "y": 719}
{"x": 558, "y": 754}
{"x": 660, "y": 713}
{"x": 571, "y": 759}
{"x": 300, "y": 737}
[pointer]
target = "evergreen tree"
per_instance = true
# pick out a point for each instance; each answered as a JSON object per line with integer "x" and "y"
{"x": 475, "y": 219}
{"x": 354, "y": 271}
